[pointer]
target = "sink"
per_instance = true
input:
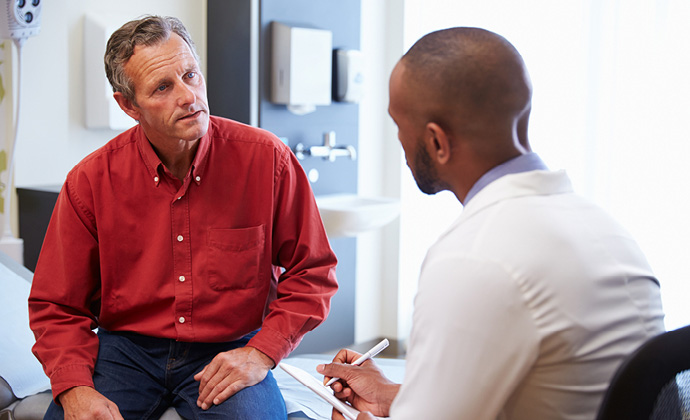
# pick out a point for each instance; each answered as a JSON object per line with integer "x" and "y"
{"x": 350, "y": 214}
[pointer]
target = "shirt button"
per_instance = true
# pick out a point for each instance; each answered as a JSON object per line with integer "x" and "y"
{"x": 182, "y": 278}
{"x": 179, "y": 198}
{"x": 179, "y": 238}
{"x": 182, "y": 320}
{"x": 155, "y": 179}
{"x": 198, "y": 178}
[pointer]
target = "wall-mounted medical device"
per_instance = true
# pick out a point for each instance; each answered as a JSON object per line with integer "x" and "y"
{"x": 302, "y": 67}
{"x": 349, "y": 78}
{"x": 20, "y": 19}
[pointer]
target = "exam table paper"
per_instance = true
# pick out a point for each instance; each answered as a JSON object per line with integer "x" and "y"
{"x": 301, "y": 400}
{"x": 18, "y": 366}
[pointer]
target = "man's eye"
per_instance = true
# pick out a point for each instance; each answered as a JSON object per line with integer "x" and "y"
{"x": 161, "y": 88}
{"x": 191, "y": 75}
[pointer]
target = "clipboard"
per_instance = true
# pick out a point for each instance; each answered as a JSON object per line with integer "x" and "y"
{"x": 317, "y": 387}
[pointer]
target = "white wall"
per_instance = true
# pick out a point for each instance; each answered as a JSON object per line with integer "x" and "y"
{"x": 52, "y": 132}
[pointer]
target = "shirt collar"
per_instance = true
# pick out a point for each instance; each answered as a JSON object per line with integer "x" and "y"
{"x": 523, "y": 163}
{"x": 154, "y": 164}
{"x": 201, "y": 158}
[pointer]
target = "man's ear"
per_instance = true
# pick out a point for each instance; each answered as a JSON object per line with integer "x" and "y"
{"x": 438, "y": 143}
{"x": 127, "y": 105}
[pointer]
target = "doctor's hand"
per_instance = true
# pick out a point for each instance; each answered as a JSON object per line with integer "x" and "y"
{"x": 230, "y": 372}
{"x": 364, "y": 386}
{"x": 337, "y": 415}
{"x": 85, "y": 403}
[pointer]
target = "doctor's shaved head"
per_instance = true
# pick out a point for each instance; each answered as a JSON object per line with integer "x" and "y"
{"x": 469, "y": 74}
{"x": 461, "y": 99}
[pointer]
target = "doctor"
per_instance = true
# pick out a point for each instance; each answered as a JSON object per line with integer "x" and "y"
{"x": 530, "y": 300}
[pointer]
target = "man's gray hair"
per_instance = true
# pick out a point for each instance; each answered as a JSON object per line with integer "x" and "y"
{"x": 147, "y": 31}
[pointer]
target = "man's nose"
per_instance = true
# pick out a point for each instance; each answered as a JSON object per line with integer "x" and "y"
{"x": 186, "y": 95}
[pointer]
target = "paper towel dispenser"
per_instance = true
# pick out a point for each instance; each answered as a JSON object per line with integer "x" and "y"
{"x": 302, "y": 63}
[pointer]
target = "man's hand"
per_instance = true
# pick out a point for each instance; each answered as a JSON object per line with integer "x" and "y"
{"x": 85, "y": 403}
{"x": 230, "y": 372}
{"x": 337, "y": 415}
{"x": 364, "y": 386}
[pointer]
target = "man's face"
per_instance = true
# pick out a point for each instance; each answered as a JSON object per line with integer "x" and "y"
{"x": 170, "y": 99}
{"x": 402, "y": 108}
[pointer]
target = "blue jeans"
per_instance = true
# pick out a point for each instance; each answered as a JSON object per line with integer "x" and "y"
{"x": 146, "y": 375}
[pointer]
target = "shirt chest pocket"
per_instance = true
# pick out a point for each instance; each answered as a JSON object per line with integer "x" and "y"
{"x": 234, "y": 257}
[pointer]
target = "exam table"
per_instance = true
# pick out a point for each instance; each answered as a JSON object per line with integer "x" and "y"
{"x": 32, "y": 398}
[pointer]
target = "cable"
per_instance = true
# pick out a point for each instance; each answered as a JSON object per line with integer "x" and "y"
{"x": 7, "y": 231}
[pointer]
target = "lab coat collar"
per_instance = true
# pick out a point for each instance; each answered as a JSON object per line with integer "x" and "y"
{"x": 532, "y": 183}
{"x": 523, "y": 163}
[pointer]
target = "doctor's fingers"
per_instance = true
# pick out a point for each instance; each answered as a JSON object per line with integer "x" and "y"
{"x": 337, "y": 416}
{"x": 346, "y": 356}
{"x": 348, "y": 373}
{"x": 362, "y": 416}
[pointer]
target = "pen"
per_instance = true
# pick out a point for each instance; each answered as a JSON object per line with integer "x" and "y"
{"x": 366, "y": 356}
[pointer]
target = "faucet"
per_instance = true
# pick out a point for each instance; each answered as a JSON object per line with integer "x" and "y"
{"x": 329, "y": 151}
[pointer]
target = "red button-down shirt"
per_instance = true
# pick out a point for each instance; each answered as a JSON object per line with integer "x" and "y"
{"x": 132, "y": 248}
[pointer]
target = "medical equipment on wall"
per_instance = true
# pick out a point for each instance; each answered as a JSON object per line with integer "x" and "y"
{"x": 19, "y": 20}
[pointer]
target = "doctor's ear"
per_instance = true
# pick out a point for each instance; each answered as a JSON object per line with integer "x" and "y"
{"x": 438, "y": 143}
{"x": 127, "y": 105}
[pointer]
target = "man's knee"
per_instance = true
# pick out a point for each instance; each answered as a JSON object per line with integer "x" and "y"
{"x": 261, "y": 401}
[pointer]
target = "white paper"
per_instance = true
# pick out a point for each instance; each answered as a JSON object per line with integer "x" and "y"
{"x": 325, "y": 393}
{"x": 299, "y": 399}
{"x": 18, "y": 366}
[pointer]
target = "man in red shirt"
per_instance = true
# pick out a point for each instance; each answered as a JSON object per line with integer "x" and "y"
{"x": 194, "y": 245}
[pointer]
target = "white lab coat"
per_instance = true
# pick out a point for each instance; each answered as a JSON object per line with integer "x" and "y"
{"x": 526, "y": 306}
